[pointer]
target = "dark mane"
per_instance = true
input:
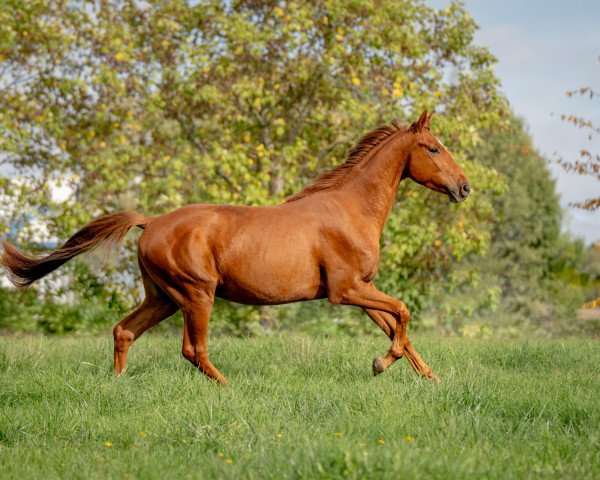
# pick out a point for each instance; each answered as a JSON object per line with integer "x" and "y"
{"x": 357, "y": 153}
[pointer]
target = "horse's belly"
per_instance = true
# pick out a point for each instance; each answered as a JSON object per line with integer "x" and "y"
{"x": 270, "y": 281}
{"x": 238, "y": 294}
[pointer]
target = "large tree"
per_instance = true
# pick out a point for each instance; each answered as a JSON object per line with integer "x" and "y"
{"x": 152, "y": 105}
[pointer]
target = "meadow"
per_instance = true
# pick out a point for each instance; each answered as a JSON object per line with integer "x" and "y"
{"x": 299, "y": 407}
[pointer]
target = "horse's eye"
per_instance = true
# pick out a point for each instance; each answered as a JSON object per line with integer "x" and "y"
{"x": 433, "y": 150}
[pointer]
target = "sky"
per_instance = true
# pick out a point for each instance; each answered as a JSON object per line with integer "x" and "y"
{"x": 545, "y": 48}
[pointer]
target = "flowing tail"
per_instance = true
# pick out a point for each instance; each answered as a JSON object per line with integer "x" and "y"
{"x": 111, "y": 229}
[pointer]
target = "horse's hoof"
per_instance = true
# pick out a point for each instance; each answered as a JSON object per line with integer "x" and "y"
{"x": 435, "y": 378}
{"x": 378, "y": 366}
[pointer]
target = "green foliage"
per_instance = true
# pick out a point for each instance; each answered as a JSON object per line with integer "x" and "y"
{"x": 298, "y": 407}
{"x": 151, "y": 107}
{"x": 25, "y": 311}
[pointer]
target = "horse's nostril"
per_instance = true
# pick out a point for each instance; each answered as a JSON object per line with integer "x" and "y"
{"x": 466, "y": 189}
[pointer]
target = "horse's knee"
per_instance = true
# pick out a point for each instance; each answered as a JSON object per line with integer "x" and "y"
{"x": 403, "y": 313}
{"x": 123, "y": 338}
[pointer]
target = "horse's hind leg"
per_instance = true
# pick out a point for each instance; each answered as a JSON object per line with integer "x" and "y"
{"x": 196, "y": 301}
{"x": 148, "y": 314}
{"x": 155, "y": 308}
{"x": 387, "y": 323}
{"x": 191, "y": 284}
{"x": 196, "y": 305}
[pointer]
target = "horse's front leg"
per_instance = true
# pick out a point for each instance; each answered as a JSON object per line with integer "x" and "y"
{"x": 366, "y": 296}
{"x": 387, "y": 323}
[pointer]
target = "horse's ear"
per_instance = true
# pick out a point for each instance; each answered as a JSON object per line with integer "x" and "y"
{"x": 420, "y": 123}
{"x": 428, "y": 120}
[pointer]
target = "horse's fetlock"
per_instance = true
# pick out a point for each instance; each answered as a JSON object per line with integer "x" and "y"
{"x": 123, "y": 338}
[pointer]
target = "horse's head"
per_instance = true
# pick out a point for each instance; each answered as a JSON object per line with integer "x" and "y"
{"x": 430, "y": 164}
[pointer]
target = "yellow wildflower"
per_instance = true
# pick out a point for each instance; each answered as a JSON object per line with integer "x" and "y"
{"x": 356, "y": 81}
{"x": 408, "y": 438}
{"x": 381, "y": 441}
{"x": 119, "y": 56}
{"x": 221, "y": 454}
{"x": 142, "y": 433}
{"x": 229, "y": 461}
{"x": 108, "y": 444}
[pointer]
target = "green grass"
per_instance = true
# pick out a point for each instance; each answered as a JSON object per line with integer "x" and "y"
{"x": 299, "y": 407}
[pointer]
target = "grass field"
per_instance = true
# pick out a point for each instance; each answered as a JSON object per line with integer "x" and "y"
{"x": 299, "y": 407}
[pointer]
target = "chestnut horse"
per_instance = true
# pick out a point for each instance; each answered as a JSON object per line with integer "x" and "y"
{"x": 322, "y": 242}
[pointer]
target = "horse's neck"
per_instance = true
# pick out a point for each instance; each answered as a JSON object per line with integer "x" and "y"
{"x": 374, "y": 186}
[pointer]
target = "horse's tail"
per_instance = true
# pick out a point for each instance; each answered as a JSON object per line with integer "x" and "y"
{"x": 111, "y": 229}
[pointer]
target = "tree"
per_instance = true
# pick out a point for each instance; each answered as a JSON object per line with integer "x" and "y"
{"x": 152, "y": 105}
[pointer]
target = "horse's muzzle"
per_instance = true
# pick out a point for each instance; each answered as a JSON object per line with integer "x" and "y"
{"x": 457, "y": 195}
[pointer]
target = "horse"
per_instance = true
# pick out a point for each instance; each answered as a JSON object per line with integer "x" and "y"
{"x": 322, "y": 242}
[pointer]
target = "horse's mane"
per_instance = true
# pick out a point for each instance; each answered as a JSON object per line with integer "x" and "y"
{"x": 356, "y": 154}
